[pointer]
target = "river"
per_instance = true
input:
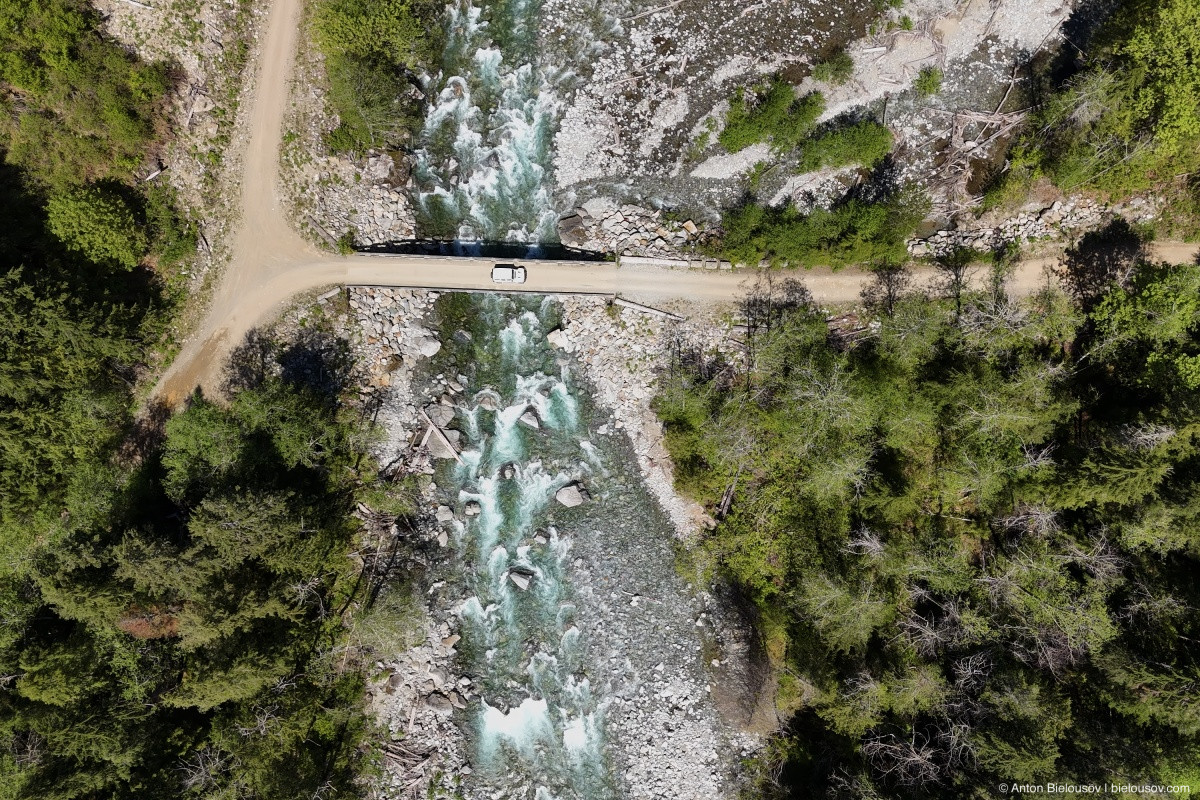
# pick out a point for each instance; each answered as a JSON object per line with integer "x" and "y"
{"x": 583, "y": 644}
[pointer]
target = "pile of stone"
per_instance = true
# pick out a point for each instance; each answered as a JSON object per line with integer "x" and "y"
{"x": 341, "y": 196}
{"x": 390, "y": 339}
{"x": 1056, "y": 221}
{"x": 414, "y": 696}
{"x": 601, "y": 224}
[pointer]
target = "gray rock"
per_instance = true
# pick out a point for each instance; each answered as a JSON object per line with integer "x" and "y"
{"x": 440, "y": 704}
{"x": 444, "y": 514}
{"x": 572, "y": 231}
{"x": 439, "y": 448}
{"x": 530, "y": 419}
{"x": 558, "y": 338}
{"x": 429, "y": 347}
{"x": 570, "y": 495}
{"x": 472, "y": 509}
{"x": 520, "y": 580}
{"x": 599, "y": 207}
{"x": 440, "y": 415}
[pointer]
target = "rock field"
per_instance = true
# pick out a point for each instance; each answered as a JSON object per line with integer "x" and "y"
{"x": 1060, "y": 220}
{"x": 342, "y": 196}
{"x": 602, "y": 225}
{"x": 622, "y": 351}
{"x": 414, "y": 695}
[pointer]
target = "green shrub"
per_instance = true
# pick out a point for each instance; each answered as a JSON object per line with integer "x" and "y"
{"x": 173, "y": 238}
{"x": 98, "y": 224}
{"x": 865, "y": 143}
{"x": 928, "y": 82}
{"x": 371, "y": 49}
{"x": 370, "y": 29}
{"x": 77, "y": 106}
{"x": 837, "y": 70}
{"x": 776, "y": 116}
{"x": 1130, "y": 120}
{"x": 370, "y": 97}
{"x": 854, "y": 232}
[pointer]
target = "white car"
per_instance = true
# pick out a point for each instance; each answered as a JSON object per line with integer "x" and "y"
{"x": 508, "y": 273}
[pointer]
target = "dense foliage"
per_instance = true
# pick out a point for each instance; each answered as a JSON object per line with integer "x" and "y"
{"x": 371, "y": 49}
{"x": 865, "y": 142}
{"x": 1128, "y": 118}
{"x": 72, "y": 334}
{"x": 177, "y": 633}
{"x": 80, "y": 114}
{"x": 172, "y": 602}
{"x": 854, "y": 231}
{"x": 928, "y": 82}
{"x": 869, "y": 223}
{"x": 972, "y": 532}
{"x": 76, "y": 106}
{"x": 774, "y": 114}
{"x": 98, "y": 224}
{"x": 836, "y": 70}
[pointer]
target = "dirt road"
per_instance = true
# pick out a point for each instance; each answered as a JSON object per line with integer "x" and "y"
{"x": 272, "y": 263}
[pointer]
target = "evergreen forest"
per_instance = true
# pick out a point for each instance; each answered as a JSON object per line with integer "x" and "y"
{"x": 970, "y": 525}
{"x": 967, "y": 525}
{"x": 172, "y": 588}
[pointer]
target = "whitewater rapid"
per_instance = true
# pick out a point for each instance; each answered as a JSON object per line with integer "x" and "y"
{"x": 484, "y": 159}
{"x": 538, "y": 721}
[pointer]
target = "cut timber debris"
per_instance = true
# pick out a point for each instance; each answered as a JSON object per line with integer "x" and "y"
{"x": 447, "y": 445}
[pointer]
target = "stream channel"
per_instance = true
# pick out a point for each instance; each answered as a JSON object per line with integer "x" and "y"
{"x": 484, "y": 154}
{"x": 585, "y": 646}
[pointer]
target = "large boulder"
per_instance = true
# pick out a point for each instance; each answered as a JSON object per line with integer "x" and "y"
{"x": 599, "y": 207}
{"x": 440, "y": 415}
{"x": 429, "y": 347}
{"x": 572, "y": 231}
{"x": 439, "y": 447}
{"x": 440, "y": 704}
{"x": 559, "y": 338}
{"x": 571, "y": 495}
{"x": 472, "y": 509}
{"x": 529, "y": 419}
